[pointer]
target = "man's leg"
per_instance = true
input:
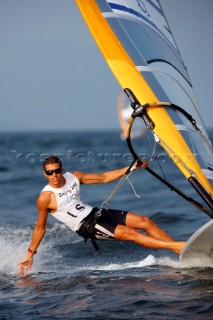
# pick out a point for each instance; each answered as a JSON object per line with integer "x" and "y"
{"x": 136, "y": 221}
{"x": 157, "y": 238}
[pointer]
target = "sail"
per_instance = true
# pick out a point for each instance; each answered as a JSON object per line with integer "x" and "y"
{"x": 137, "y": 43}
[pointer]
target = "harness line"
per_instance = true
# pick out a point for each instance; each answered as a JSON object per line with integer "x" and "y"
{"x": 119, "y": 185}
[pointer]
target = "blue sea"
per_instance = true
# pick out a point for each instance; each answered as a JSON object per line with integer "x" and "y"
{"x": 69, "y": 280}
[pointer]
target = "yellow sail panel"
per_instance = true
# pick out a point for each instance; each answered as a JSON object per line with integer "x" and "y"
{"x": 129, "y": 77}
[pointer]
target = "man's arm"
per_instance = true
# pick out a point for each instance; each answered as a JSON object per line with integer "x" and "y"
{"x": 105, "y": 177}
{"x": 38, "y": 233}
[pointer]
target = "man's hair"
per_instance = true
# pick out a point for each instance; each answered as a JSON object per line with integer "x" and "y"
{"x": 52, "y": 160}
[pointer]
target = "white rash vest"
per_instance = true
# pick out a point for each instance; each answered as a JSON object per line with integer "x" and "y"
{"x": 70, "y": 208}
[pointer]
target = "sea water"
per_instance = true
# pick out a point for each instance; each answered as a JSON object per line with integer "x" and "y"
{"x": 69, "y": 279}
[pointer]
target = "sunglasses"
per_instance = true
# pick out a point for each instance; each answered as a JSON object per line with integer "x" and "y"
{"x": 50, "y": 172}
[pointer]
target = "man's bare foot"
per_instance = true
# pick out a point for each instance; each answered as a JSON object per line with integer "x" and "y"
{"x": 178, "y": 247}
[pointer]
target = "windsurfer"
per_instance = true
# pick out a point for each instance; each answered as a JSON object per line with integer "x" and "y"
{"x": 61, "y": 198}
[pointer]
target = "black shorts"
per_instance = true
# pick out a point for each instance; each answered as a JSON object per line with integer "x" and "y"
{"x": 108, "y": 221}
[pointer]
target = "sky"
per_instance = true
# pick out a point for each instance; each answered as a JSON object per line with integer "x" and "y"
{"x": 53, "y": 77}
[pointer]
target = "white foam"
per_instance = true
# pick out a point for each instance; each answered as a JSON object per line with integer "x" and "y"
{"x": 148, "y": 261}
{"x": 13, "y": 248}
{"x": 9, "y": 249}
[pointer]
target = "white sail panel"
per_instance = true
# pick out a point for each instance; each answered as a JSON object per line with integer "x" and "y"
{"x": 142, "y": 29}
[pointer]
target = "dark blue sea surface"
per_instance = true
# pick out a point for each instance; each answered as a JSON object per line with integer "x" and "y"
{"x": 69, "y": 280}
